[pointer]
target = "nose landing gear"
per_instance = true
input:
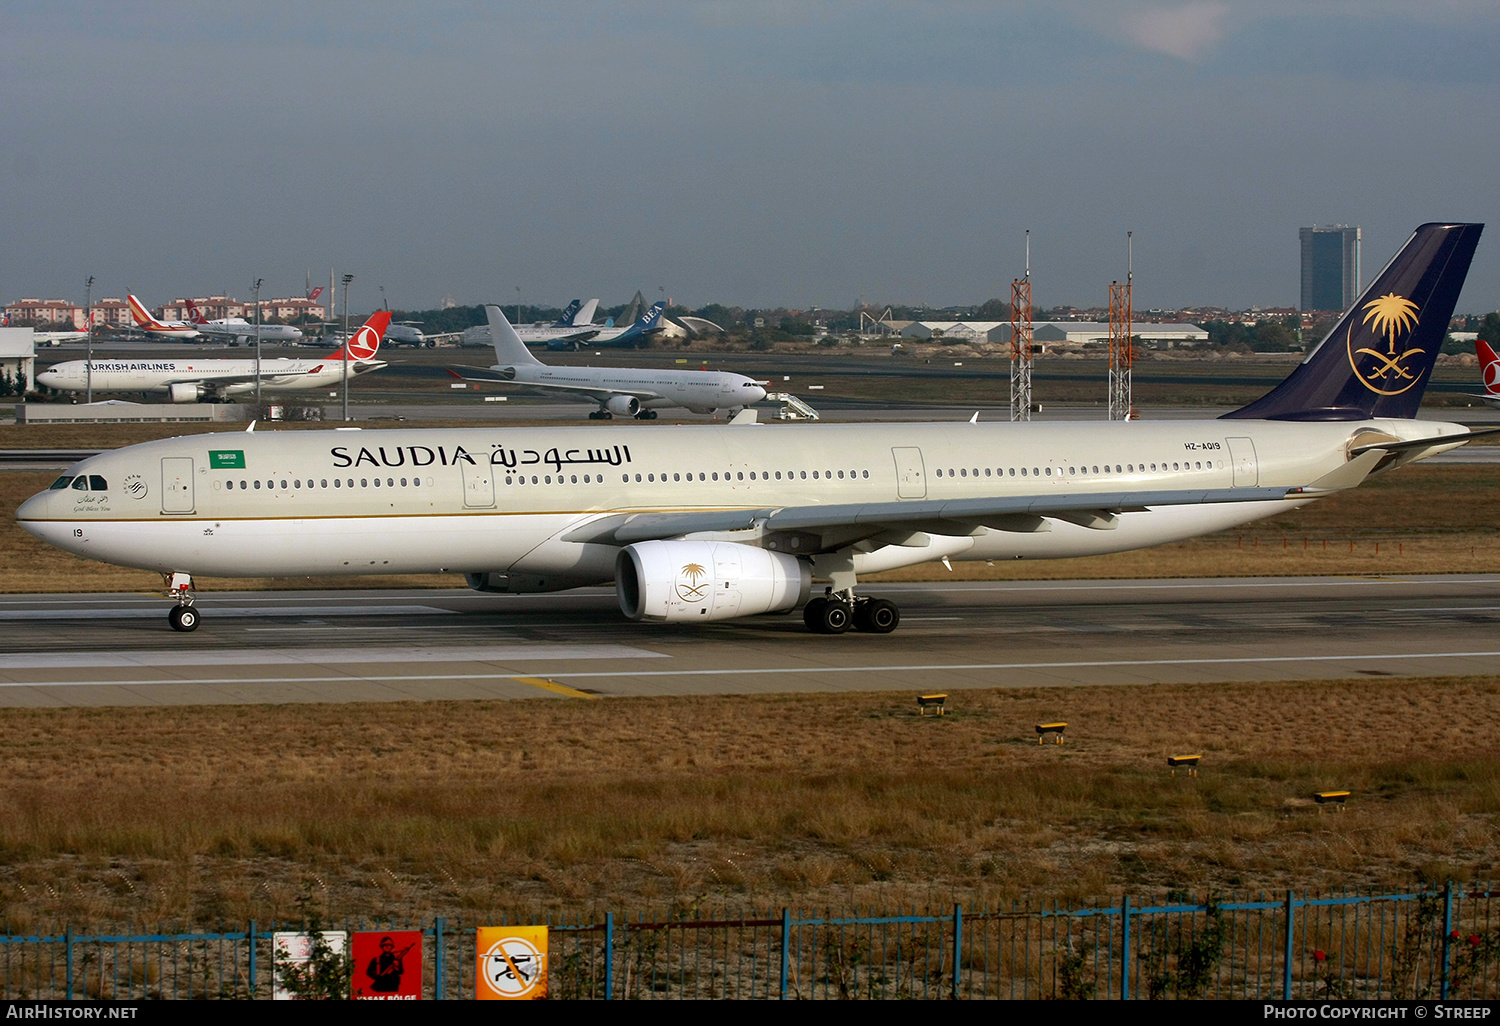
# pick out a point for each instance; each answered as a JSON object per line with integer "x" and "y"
{"x": 183, "y": 617}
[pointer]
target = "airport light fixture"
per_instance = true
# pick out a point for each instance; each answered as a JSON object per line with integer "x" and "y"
{"x": 256, "y": 288}
{"x": 88, "y": 325}
{"x": 347, "y": 279}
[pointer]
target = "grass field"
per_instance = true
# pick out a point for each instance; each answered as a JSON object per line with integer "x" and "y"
{"x": 688, "y": 804}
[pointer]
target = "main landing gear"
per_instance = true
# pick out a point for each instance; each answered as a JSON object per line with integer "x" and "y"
{"x": 183, "y": 616}
{"x": 601, "y": 415}
{"x": 835, "y": 614}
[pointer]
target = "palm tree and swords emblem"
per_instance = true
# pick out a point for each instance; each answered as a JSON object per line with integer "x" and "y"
{"x": 689, "y": 590}
{"x": 1389, "y": 315}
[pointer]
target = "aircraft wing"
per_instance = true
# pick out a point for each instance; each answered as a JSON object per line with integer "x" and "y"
{"x": 592, "y": 391}
{"x": 898, "y": 523}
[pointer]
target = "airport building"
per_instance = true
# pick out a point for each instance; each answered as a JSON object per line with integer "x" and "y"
{"x": 1078, "y": 334}
{"x": 18, "y": 355}
{"x": 1330, "y": 267}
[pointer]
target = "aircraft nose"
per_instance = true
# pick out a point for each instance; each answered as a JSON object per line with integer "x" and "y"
{"x": 34, "y": 508}
{"x": 49, "y": 378}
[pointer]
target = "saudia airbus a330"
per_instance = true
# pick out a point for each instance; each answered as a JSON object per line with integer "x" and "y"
{"x": 701, "y": 523}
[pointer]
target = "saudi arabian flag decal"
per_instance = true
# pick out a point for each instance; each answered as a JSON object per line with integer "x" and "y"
{"x": 226, "y": 459}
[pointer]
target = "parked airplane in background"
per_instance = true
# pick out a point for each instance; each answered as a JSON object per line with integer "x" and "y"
{"x": 238, "y": 329}
{"x": 702, "y": 523}
{"x": 187, "y": 381}
{"x": 632, "y": 336}
{"x": 619, "y": 391}
{"x": 1489, "y": 366}
{"x": 149, "y": 324}
{"x": 575, "y": 325}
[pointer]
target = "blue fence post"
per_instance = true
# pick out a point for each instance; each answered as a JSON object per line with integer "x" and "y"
{"x": 438, "y": 965}
{"x": 786, "y": 946}
{"x": 1125, "y": 947}
{"x": 609, "y": 956}
{"x": 958, "y": 945}
{"x": 1447, "y": 937}
{"x": 68, "y": 958}
{"x": 1286, "y": 970}
{"x": 250, "y": 939}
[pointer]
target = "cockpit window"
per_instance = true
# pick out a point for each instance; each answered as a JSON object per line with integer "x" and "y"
{"x": 80, "y": 483}
{"x": 61, "y": 482}
{"x": 97, "y": 483}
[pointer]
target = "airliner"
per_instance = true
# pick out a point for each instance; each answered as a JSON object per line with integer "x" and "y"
{"x": 576, "y": 325}
{"x": 188, "y": 381}
{"x": 697, "y": 524}
{"x": 150, "y": 325}
{"x": 619, "y": 391}
{"x": 239, "y": 329}
{"x": 634, "y": 335}
{"x": 1489, "y": 365}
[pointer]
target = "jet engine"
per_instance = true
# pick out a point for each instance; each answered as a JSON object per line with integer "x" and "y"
{"x": 699, "y": 581}
{"x": 623, "y": 405}
{"x": 184, "y": 392}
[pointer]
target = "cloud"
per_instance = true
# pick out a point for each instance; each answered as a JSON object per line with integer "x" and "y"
{"x": 1187, "y": 31}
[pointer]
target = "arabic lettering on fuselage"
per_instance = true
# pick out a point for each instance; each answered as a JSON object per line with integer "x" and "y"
{"x": 445, "y": 456}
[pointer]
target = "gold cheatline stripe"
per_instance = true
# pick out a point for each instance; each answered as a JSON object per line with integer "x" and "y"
{"x": 179, "y": 518}
{"x": 553, "y": 686}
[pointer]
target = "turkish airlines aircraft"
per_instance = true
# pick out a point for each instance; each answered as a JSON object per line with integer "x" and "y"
{"x": 188, "y": 381}
{"x": 704, "y": 523}
{"x": 1489, "y": 364}
{"x": 240, "y": 329}
{"x": 149, "y": 324}
{"x": 619, "y": 391}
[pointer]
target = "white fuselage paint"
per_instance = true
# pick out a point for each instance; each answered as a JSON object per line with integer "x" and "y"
{"x": 699, "y": 391}
{"x": 277, "y": 375}
{"x": 240, "y": 328}
{"x": 507, "y": 499}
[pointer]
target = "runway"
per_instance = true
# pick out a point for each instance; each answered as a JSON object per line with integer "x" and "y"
{"x": 344, "y": 646}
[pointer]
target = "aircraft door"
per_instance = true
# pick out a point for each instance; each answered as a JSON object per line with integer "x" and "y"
{"x": 1242, "y": 460}
{"x": 177, "y": 484}
{"x": 911, "y": 480}
{"x": 479, "y": 485}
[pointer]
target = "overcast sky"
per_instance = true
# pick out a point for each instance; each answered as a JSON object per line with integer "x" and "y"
{"x": 752, "y": 153}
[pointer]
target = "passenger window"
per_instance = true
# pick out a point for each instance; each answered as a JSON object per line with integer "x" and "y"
{"x": 61, "y": 482}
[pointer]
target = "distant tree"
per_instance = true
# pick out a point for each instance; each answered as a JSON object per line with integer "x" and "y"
{"x": 802, "y": 329}
{"x": 726, "y": 317}
{"x": 992, "y": 310}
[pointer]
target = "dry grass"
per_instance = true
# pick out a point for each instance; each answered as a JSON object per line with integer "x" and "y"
{"x": 1422, "y": 519}
{"x": 742, "y": 801}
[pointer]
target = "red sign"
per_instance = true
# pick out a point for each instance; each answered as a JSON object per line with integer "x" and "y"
{"x": 387, "y": 966}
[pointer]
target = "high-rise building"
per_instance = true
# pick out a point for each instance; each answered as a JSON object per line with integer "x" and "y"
{"x": 1330, "y": 267}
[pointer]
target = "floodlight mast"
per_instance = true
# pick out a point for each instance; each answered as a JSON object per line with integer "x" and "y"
{"x": 1121, "y": 340}
{"x": 256, "y": 288}
{"x": 88, "y": 324}
{"x": 345, "y": 350}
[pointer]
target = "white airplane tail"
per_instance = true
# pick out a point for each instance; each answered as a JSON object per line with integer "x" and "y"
{"x": 142, "y": 316}
{"x": 509, "y": 349}
{"x": 585, "y": 316}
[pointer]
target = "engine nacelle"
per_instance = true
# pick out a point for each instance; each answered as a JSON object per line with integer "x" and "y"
{"x": 184, "y": 392}
{"x": 700, "y": 581}
{"x": 623, "y": 405}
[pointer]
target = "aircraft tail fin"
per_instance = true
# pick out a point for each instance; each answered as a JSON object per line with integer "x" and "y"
{"x": 585, "y": 315}
{"x": 509, "y": 349}
{"x": 649, "y": 323}
{"x": 194, "y": 314}
{"x": 1377, "y": 360}
{"x": 569, "y": 312}
{"x": 366, "y": 341}
{"x": 142, "y": 316}
{"x": 1489, "y": 364}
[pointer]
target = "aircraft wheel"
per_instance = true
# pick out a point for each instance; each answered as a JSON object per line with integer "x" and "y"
{"x": 824, "y": 616}
{"x": 812, "y": 614}
{"x": 183, "y": 618}
{"x": 876, "y": 616}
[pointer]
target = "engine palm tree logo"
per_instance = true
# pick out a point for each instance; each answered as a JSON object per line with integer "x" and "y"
{"x": 688, "y": 588}
{"x": 1387, "y": 318}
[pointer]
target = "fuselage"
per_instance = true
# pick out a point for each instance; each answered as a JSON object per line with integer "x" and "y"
{"x": 519, "y": 500}
{"x": 220, "y": 377}
{"x": 241, "y": 328}
{"x": 699, "y": 391}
